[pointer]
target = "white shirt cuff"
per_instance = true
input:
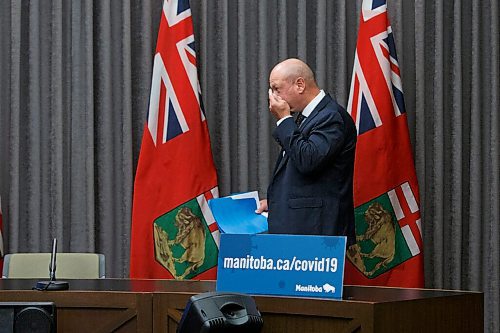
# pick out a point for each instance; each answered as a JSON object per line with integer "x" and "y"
{"x": 281, "y": 120}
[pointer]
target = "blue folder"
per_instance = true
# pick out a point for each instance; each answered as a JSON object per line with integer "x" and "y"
{"x": 237, "y": 216}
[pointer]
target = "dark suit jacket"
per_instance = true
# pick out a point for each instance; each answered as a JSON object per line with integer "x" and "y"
{"x": 311, "y": 189}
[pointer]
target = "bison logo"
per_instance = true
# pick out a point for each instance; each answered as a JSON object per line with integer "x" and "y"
{"x": 191, "y": 236}
{"x": 381, "y": 233}
{"x": 183, "y": 243}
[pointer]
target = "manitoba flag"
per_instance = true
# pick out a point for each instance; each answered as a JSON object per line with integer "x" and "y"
{"x": 173, "y": 230}
{"x": 388, "y": 249}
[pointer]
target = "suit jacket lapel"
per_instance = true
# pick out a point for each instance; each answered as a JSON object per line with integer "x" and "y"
{"x": 281, "y": 161}
{"x": 317, "y": 109}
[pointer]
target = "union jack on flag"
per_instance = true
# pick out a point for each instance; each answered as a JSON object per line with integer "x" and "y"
{"x": 380, "y": 51}
{"x": 166, "y": 119}
{"x": 386, "y": 196}
{"x": 173, "y": 234}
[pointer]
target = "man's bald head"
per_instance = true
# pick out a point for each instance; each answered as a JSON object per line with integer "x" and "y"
{"x": 291, "y": 69}
{"x": 293, "y": 81}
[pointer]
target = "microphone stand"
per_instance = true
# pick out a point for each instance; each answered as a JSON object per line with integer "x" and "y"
{"x": 52, "y": 284}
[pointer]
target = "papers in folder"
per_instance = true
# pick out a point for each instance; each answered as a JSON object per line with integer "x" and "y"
{"x": 235, "y": 214}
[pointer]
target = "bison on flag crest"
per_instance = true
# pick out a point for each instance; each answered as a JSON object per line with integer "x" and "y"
{"x": 388, "y": 249}
{"x": 174, "y": 234}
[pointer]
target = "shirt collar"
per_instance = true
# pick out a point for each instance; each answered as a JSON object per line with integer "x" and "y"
{"x": 312, "y": 104}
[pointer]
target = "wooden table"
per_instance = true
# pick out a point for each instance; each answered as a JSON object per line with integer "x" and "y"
{"x": 124, "y": 305}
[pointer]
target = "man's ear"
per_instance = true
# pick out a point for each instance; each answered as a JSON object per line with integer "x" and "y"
{"x": 301, "y": 85}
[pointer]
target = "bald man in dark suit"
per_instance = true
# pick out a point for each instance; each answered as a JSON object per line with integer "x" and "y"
{"x": 311, "y": 191}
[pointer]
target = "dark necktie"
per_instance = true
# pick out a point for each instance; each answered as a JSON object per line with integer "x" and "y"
{"x": 300, "y": 118}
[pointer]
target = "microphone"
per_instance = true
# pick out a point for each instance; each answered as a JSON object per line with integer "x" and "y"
{"x": 52, "y": 284}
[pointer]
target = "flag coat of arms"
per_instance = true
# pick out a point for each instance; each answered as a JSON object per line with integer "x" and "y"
{"x": 174, "y": 234}
{"x": 389, "y": 247}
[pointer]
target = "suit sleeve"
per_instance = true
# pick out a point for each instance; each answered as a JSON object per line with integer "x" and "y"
{"x": 311, "y": 150}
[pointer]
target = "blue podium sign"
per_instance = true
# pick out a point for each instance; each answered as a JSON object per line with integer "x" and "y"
{"x": 285, "y": 265}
